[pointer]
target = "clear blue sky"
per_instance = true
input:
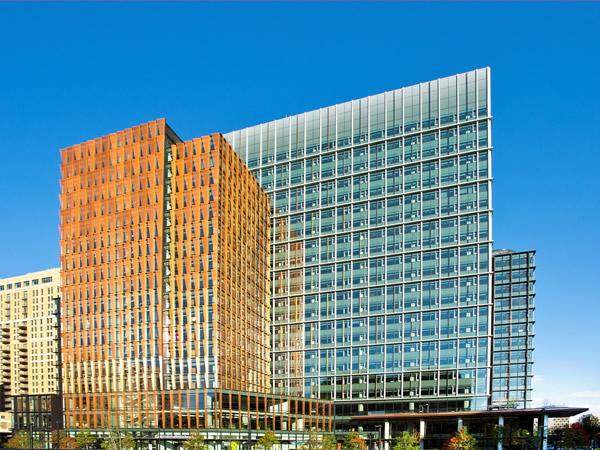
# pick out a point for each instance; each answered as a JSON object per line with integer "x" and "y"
{"x": 71, "y": 72}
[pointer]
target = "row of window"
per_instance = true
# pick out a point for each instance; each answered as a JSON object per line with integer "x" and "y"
{"x": 377, "y": 156}
{"x": 514, "y": 261}
{"x": 379, "y": 184}
{"x": 384, "y": 241}
{"x": 26, "y": 283}
{"x": 409, "y": 208}
{"x": 465, "y": 291}
{"x": 445, "y": 263}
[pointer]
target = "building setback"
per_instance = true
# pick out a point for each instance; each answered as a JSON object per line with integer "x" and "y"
{"x": 381, "y": 272}
{"x": 165, "y": 259}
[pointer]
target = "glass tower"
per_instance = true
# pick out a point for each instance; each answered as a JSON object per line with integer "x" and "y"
{"x": 514, "y": 295}
{"x": 381, "y": 226}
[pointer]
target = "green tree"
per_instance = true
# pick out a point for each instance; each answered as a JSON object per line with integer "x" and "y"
{"x": 572, "y": 437}
{"x": 67, "y": 442}
{"x": 591, "y": 424}
{"x": 19, "y": 440}
{"x": 317, "y": 442}
{"x": 268, "y": 440}
{"x": 85, "y": 439}
{"x": 354, "y": 441}
{"x": 312, "y": 443}
{"x": 510, "y": 404}
{"x": 23, "y": 440}
{"x": 329, "y": 442}
{"x": 462, "y": 440}
{"x": 195, "y": 442}
{"x": 523, "y": 439}
{"x": 116, "y": 440}
{"x": 407, "y": 441}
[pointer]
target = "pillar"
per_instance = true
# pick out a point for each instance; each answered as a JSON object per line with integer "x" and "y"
{"x": 387, "y": 435}
{"x": 460, "y": 424}
{"x": 545, "y": 433}
{"x": 422, "y": 428}
{"x": 501, "y": 430}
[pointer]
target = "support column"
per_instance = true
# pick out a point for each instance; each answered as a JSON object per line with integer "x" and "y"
{"x": 545, "y": 432}
{"x": 460, "y": 424}
{"x": 422, "y": 428}
{"x": 387, "y": 435}
{"x": 501, "y": 431}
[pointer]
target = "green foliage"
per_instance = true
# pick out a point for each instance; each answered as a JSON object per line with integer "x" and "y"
{"x": 195, "y": 442}
{"x": 510, "y": 404}
{"x": 19, "y": 440}
{"x": 22, "y": 440}
{"x": 572, "y": 437}
{"x": 462, "y": 440}
{"x": 313, "y": 442}
{"x": 117, "y": 440}
{"x": 407, "y": 441}
{"x": 329, "y": 442}
{"x": 268, "y": 440}
{"x": 591, "y": 424}
{"x": 317, "y": 442}
{"x": 494, "y": 433}
{"x": 353, "y": 441}
{"x": 67, "y": 442}
{"x": 524, "y": 439}
{"x": 85, "y": 439}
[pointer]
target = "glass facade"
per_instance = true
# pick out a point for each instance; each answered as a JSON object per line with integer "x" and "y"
{"x": 381, "y": 249}
{"x": 514, "y": 279}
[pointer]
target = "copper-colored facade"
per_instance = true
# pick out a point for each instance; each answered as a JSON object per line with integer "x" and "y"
{"x": 165, "y": 265}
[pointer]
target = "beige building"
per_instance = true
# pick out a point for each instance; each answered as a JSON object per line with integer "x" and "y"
{"x": 556, "y": 423}
{"x": 28, "y": 334}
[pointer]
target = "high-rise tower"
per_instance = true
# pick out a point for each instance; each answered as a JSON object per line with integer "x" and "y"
{"x": 381, "y": 272}
{"x": 165, "y": 262}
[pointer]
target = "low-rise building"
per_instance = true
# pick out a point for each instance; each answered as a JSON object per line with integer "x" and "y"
{"x": 28, "y": 335}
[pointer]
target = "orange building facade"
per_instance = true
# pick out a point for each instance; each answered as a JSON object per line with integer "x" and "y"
{"x": 165, "y": 260}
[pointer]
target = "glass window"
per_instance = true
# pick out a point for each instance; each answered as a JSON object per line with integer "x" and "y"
{"x": 394, "y": 152}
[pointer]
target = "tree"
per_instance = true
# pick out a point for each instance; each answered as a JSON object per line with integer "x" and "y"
{"x": 85, "y": 439}
{"x": 313, "y": 442}
{"x": 462, "y": 440}
{"x": 572, "y": 437}
{"x": 354, "y": 441}
{"x": 317, "y": 442}
{"x": 407, "y": 441}
{"x": 591, "y": 424}
{"x": 510, "y": 404}
{"x": 116, "y": 440}
{"x": 268, "y": 440}
{"x": 23, "y": 440}
{"x": 195, "y": 442}
{"x": 19, "y": 440}
{"x": 67, "y": 442}
{"x": 329, "y": 442}
{"x": 525, "y": 440}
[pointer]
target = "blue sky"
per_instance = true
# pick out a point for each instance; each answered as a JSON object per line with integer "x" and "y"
{"x": 70, "y": 72}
